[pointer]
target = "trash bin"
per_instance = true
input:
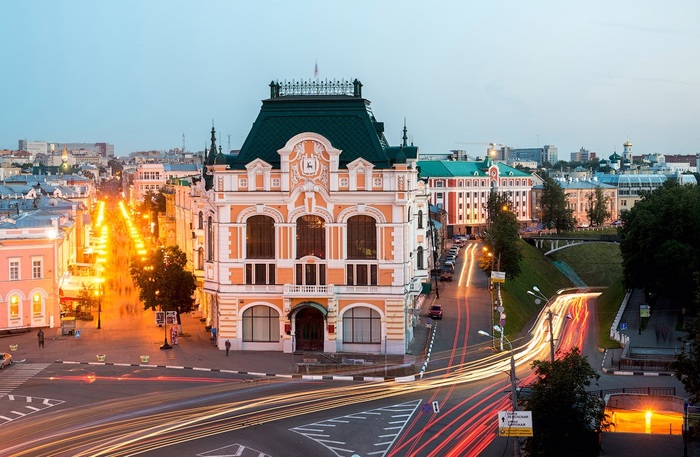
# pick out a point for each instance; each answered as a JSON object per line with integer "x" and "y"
{"x": 101, "y": 357}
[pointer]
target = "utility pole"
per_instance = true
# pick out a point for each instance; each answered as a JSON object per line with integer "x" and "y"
{"x": 551, "y": 336}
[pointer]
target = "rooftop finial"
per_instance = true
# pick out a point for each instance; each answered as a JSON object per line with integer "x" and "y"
{"x": 405, "y": 137}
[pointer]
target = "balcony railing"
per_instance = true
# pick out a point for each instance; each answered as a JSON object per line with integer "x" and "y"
{"x": 294, "y": 289}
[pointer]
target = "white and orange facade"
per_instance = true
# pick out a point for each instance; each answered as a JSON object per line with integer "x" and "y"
{"x": 311, "y": 247}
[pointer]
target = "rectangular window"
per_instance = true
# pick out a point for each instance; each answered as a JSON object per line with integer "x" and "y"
{"x": 361, "y": 274}
{"x": 310, "y": 274}
{"x": 37, "y": 268}
{"x": 260, "y": 273}
{"x": 14, "y": 270}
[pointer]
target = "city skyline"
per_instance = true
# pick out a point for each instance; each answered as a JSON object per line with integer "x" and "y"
{"x": 139, "y": 75}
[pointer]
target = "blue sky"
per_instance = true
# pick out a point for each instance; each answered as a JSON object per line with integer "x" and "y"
{"x": 139, "y": 74}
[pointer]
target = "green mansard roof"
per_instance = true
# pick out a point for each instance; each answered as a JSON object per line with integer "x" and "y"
{"x": 326, "y": 109}
{"x": 463, "y": 169}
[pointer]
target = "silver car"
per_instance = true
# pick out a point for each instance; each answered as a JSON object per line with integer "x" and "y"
{"x": 5, "y": 360}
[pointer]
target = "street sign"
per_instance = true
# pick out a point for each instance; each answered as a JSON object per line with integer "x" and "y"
{"x": 426, "y": 408}
{"x": 436, "y": 407}
{"x": 623, "y": 325}
{"x": 171, "y": 317}
{"x": 160, "y": 317}
{"x": 644, "y": 311}
{"x": 498, "y": 276}
{"x": 515, "y": 423}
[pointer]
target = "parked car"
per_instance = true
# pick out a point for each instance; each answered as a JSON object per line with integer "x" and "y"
{"x": 435, "y": 312}
{"x": 449, "y": 263}
{"x": 5, "y": 360}
{"x": 446, "y": 273}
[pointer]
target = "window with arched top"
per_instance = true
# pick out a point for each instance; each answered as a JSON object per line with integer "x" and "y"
{"x": 362, "y": 325}
{"x": 260, "y": 266}
{"x": 361, "y": 264}
{"x": 311, "y": 237}
{"x": 260, "y": 237}
{"x": 210, "y": 239}
{"x": 201, "y": 220}
{"x": 420, "y": 258}
{"x": 261, "y": 324}
{"x": 200, "y": 258}
{"x": 420, "y": 218}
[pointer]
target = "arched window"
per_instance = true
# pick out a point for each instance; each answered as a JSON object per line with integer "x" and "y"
{"x": 200, "y": 258}
{"x": 260, "y": 237}
{"x": 260, "y": 245}
{"x": 14, "y": 307}
{"x": 420, "y": 218}
{"x": 361, "y": 248}
{"x": 201, "y": 220}
{"x": 362, "y": 237}
{"x": 362, "y": 325}
{"x": 311, "y": 237}
{"x": 210, "y": 239}
{"x": 420, "y": 264}
{"x": 261, "y": 324}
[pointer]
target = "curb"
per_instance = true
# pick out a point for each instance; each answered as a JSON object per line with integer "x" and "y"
{"x": 308, "y": 377}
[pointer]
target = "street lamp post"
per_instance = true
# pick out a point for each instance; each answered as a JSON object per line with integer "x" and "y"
{"x": 513, "y": 380}
{"x": 539, "y": 295}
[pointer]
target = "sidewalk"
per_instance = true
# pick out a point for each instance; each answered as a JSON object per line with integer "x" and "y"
{"x": 123, "y": 340}
{"x": 660, "y": 334}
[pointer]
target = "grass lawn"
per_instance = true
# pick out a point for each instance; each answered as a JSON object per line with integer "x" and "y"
{"x": 597, "y": 264}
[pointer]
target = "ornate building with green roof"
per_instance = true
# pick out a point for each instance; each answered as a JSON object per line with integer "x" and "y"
{"x": 316, "y": 234}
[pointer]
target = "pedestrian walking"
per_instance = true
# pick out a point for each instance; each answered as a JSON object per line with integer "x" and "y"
{"x": 228, "y": 347}
{"x": 40, "y": 335}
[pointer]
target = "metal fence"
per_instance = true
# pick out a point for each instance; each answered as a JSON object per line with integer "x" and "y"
{"x": 635, "y": 390}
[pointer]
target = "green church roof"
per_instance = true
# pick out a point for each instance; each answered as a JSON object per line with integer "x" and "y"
{"x": 346, "y": 120}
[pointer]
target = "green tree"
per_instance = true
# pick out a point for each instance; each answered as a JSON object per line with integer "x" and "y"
{"x": 598, "y": 207}
{"x": 686, "y": 366}
{"x": 163, "y": 281}
{"x": 555, "y": 211}
{"x": 565, "y": 418}
{"x": 153, "y": 203}
{"x": 501, "y": 239}
{"x": 660, "y": 243}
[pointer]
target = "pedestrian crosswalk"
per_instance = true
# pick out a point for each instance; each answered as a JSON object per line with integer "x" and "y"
{"x": 17, "y": 374}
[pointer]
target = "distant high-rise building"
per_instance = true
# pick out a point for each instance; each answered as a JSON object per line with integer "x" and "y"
{"x": 547, "y": 153}
{"x": 44, "y": 147}
{"x": 583, "y": 155}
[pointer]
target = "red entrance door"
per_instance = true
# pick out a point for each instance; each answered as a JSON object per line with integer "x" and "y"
{"x": 309, "y": 329}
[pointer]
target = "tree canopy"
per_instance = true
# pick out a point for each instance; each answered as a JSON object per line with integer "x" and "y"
{"x": 598, "y": 207}
{"x": 555, "y": 211}
{"x": 565, "y": 418}
{"x": 687, "y": 363}
{"x": 660, "y": 243}
{"x": 501, "y": 239}
{"x": 163, "y": 281}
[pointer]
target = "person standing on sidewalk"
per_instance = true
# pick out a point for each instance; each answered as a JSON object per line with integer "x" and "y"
{"x": 40, "y": 335}
{"x": 228, "y": 347}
